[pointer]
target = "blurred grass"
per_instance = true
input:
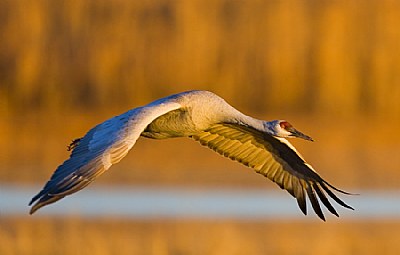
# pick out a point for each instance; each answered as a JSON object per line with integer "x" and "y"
{"x": 330, "y": 67}
{"x": 162, "y": 237}
{"x": 324, "y": 56}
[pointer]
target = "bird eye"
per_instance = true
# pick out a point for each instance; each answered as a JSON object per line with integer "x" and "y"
{"x": 285, "y": 125}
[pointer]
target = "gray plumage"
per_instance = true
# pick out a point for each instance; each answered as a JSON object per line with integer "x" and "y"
{"x": 207, "y": 118}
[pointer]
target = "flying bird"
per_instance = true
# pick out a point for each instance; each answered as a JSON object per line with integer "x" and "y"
{"x": 204, "y": 117}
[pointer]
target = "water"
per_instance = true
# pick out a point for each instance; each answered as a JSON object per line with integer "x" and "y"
{"x": 148, "y": 203}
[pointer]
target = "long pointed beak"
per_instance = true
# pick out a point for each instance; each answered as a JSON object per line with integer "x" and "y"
{"x": 294, "y": 132}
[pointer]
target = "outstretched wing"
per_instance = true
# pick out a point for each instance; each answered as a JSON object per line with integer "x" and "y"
{"x": 102, "y": 146}
{"x": 274, "y": 158}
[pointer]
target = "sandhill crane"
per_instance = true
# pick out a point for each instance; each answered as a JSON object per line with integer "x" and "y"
{"x": 207, "y": 118}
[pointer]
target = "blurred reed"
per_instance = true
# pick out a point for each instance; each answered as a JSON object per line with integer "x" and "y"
{"x": 173, "y": 237}
{"x": 336, "y": 57}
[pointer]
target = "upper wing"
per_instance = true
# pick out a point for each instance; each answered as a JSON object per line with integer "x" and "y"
{"x": 274, "y": 158}
{"x": 102, "y": 146}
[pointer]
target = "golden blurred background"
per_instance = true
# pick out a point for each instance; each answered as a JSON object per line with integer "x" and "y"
{"x": 330, "y": 67}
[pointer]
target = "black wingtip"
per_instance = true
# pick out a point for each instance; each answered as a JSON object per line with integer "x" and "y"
{"x": 36, "y": 197}
{"x": 339, "y": 190}
{"x": 334, "y": 197}
{"x": 45, "y": 200}
{"x": 301, "y": 202}
{"x": 35, "y": 206}
{"x": 324, "y": 200}
{"x": 314, "y": 202}
{"x": 300, "y": 195}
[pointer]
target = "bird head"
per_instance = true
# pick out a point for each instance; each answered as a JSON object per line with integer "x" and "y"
{"x": 283, "y": 128}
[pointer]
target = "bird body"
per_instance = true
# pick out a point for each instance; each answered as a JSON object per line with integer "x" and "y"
{"x": 199, "y": 111}
{"x": 207, "y": 118}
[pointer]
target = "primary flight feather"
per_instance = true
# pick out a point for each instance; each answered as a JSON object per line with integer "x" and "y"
{"x": 207, "y": 118}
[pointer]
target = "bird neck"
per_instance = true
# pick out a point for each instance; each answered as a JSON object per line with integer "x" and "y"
{"x": 270, "y": 127}
{"x": 260, "y": 125}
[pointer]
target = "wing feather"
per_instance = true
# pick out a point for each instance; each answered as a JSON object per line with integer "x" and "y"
{"x": 104, "y": 145}
{"x": 314, "y": 202}
{"x": 274, "y": 158}
{"x": 299, "y": 194}
{"x": 324, "y": 199}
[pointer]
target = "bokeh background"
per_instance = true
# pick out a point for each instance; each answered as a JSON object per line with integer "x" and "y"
{"x": 330, "y": 67}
